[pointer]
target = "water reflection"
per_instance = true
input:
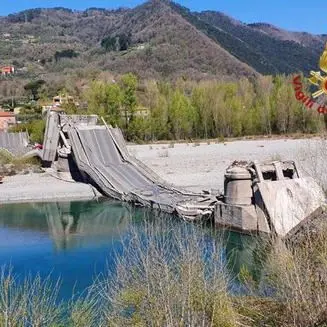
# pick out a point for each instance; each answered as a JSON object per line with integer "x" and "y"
{"x": 73, "y": 224}
{"x": 85, "y": 237}
{"x": 245, "y": 251}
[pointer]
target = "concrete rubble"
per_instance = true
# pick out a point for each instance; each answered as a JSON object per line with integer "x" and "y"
{"x": 267, "y": 197}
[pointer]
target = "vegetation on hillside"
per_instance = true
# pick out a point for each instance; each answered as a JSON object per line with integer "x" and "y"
{"x": 188, "y": 86}
{"x": 69, "y": 53}
{"x": 35, "y": 129}
{"x": 33, "y": 88}
{"x": 116, "y": 43}
{"x": 271, "y": 55}
{"x": 172, "y": 41}
{"x": 207, "y": 109}
{"x": 150, "y": 110}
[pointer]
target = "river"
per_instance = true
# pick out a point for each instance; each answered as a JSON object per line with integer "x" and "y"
{"x": 77, "y": 241}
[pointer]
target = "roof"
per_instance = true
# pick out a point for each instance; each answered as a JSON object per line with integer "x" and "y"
{"x": 6, "y": 114}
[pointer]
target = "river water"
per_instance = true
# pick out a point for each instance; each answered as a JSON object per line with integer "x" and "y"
{"x": 77, "y": 241}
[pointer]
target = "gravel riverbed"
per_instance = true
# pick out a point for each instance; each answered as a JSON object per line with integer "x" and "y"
{"x": 201, "y": 166}
{"x": 42, "y": 187}
{"x": 196, "y": 167}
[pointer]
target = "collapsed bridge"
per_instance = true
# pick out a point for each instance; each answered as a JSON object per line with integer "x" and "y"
{"x": 269, "y": 197}
{"x": 99, "y": 153}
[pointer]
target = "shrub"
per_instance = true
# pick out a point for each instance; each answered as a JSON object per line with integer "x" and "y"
{"x": 16, "y": 164}
{"x": 176, "y": 275}
{"x": 171, "y": 276}
{"x": 31, "y": 303}
{"x": 117, "y": 43}
{"x": 35, "y": 128}
{"x": 69, "y": 53}
{"x": 6, "y": 157}
{"x": 297, "y": 277}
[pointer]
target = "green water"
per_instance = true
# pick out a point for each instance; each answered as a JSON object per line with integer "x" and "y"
{"x": 76, "y": 241}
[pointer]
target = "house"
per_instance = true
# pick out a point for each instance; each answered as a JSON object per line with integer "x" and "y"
{"x": 57, "y": 103}
{"x": 62, "y": 99}
{"x": 7, "y": 119}
{"x": 7, "y": 70}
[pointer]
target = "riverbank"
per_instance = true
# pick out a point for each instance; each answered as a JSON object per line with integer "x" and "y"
{"x": 193, "y": 166}
{"x": 43, "y": 188}
{"x": 201, "y": 166}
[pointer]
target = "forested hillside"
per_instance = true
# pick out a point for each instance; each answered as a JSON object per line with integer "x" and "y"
{"x": 158, "y": 39}
{"x": 273, "y": 55}
{"x": 159, "y": 71}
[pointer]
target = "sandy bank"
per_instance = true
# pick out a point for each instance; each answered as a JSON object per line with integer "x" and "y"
{"x": 202, "y": 166}
{"x": 195, "y": 168}
{"x": 42, "y": 187}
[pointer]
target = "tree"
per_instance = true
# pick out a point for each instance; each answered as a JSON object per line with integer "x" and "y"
{"x": 124, "y": 42}
{"x": 264, "y": 103}
{"x": 110, "y": 43}
{"x": 157, "y": 103}
{"x": 105, "y": 99}
{"x": 182, "y": 115}
{"x": 69, "y": 53}
{"x": 113, "y": 105}
{"x": 129, "y": 100}
{"x": 33, "y": 88}
{"x": 117, "y": 43}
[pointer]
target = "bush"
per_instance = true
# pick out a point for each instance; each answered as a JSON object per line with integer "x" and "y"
{"x": 297, "y": 276}
{"x": 6, "y": 157}
{"x": 11, "y": 165}
{"x": 69, "y": 53}
{"x": 31, "y": 303}
{"x": 173, "y": 276}
{"x": 117, "y": 43}
{"x": 35, "y": 129}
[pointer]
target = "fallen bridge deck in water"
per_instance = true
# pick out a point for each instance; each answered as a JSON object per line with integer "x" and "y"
{"x": 99, "y": 156}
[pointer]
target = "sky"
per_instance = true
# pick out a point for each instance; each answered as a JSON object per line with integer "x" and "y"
{"x": 294, "y": 15}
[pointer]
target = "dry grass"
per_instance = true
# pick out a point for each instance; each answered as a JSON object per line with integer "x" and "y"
{"x": 173, "y": 275}
{"x": 170, "y": 278}
{"x": 31, "y": 303}
{"x": 298, "y": 277}
{"x": 11, "y": 164}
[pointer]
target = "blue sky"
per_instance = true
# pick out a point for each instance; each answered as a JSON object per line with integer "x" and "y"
{"x": 296, "y": 15}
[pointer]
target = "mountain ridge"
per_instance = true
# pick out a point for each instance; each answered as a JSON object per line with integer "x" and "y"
{"x": 163, "y": 40}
